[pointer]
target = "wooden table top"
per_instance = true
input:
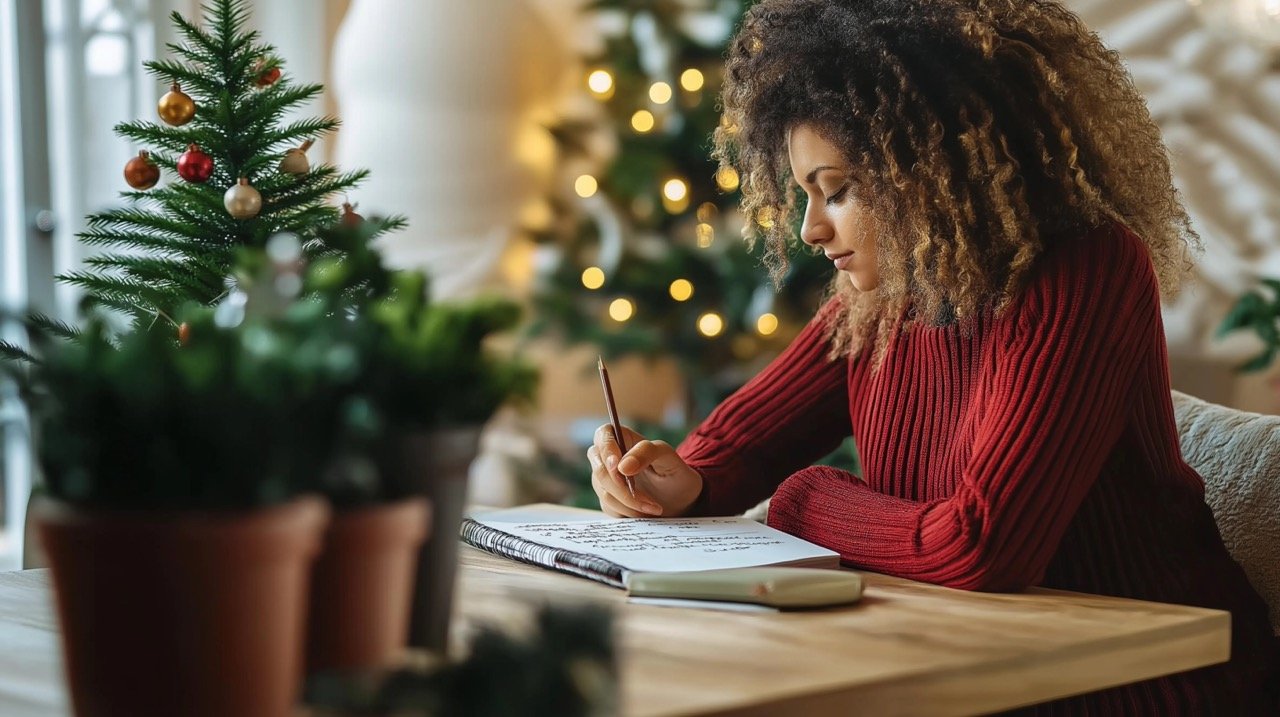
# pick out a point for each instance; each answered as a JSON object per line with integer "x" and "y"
{"x": 907, "y": 649}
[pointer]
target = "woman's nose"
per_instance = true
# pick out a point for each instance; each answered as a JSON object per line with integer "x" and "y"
{"x": 815, "y": 230}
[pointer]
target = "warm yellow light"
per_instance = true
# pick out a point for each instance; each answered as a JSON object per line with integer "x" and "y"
{"x": 691, "y": 79}
{"x": 518, "y": 263}
{"x": 707, "y": 211}
{"x": 600, "y": 82}
{"x": 593, "y": 277}
{"x": 706, "y": 234}
{"x": 710, "y": 324}
{"x": 766, "y": 324}
{"x": 621, "y": 310}
{"x": 585, "y": 185}
{"x": 536, "y": 215}
{"x": 681, "y": 289}
{"x": 764, "y": 217}
{"x": 675, "y": 190}
{"x": 727, "y": 179}
{"x": 642, "y": 121}
{"x": 660, "y": 93}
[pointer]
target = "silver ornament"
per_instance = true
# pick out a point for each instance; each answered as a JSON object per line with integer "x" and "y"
{"x": 242, "y": 200}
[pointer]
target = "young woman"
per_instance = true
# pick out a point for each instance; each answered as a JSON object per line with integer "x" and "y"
{"x": 998, "y": 207}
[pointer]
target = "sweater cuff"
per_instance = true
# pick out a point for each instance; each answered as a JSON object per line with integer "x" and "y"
{"x": 701, "y": 506}
{"x": 836, "y": 510}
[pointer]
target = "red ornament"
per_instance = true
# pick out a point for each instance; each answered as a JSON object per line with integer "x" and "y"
{"x": 268, "y": 77}
{"x": 349, "y": 216}
{"x": 184, "y": 333}
{"x": 141, "y": 172}
{"x": 194, "y": 165}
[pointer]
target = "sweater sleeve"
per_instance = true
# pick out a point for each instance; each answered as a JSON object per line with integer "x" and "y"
{"x": 791, "y": 414}
{"x": 1063, "y": 373}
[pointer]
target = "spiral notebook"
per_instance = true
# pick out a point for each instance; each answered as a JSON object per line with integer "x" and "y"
{"x": 592, "y": 545}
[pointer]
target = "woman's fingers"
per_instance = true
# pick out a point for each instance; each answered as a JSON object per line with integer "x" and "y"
{"x": 610, "y": 483}
{"x": 612, "y": 507}
{"x": 642, "y": 455}
{"x": 607, "y": 444}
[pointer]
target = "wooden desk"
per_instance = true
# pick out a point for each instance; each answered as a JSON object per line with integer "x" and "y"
{"x": 908, "y": 649}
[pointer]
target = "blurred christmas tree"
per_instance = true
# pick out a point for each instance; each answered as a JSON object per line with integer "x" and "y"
{"x": 649, "y": 255}
{"x": 651, "y": 259}
{"x": 243, "y": 175}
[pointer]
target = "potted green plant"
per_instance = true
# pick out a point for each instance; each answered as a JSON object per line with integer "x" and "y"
{"x": 174, "y": 518}
{"x": 429, "y": 382}
{"x": 364, "y": 578}
{"x": 1259, "y": 313}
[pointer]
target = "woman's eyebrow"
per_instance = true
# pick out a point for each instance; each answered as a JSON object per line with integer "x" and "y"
{"x": 814, "y": 174}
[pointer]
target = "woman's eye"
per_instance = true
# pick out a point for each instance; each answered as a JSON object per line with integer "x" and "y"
{"x": 838, "y": 195}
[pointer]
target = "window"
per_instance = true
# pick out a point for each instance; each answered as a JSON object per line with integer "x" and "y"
{"x": 69, "y": 70}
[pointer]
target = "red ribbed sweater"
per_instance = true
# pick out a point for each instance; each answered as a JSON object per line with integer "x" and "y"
{"x": 1033, "y": 448}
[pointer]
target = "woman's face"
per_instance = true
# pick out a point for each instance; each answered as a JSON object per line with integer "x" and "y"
{"x": 835, "y": 220}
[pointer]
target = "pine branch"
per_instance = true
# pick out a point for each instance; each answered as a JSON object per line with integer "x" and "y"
{"x": 108, "y": 286}
{"x": 16, "y": 354}
{"x": 259, "y": 115}
{"x": 52, "y": 327}
{"x": 314, "y": 191}
{"x": 177, "y": 72}
{"x": 124, "y": 303}
{"x": 128, "y": 218}
{"x": 195, "y": 275}
{"x": 279, "y": 185}
{"x": 194, "y": 34}
{"x": 292, "y": 134}
{"x": 304, "y": 223}
{"x": 198, "y": 58}
{"x": 173, "y": 139}
{"x": 207, "y": 196}
{"x": 161, "y": 246}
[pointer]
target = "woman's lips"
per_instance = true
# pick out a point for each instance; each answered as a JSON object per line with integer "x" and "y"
{"x": 842, "y": 261}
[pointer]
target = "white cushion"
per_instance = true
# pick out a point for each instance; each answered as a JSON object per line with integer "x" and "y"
{"x": 1238, "y": 455}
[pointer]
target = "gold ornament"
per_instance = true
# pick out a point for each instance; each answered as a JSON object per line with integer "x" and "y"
{"x": 242, "y": 200}
{"x": 295, "y": 160}
{"x": 176, "y": 107}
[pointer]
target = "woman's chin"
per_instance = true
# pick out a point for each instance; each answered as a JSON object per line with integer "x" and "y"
{"x": 861, "y": 282}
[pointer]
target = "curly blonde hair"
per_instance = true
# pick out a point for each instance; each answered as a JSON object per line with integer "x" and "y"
{"x": 981, "y": 132}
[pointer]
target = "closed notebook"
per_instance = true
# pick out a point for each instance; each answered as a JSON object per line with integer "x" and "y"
{"x": 592, "y": 545}
{"x": 777, "y": 587}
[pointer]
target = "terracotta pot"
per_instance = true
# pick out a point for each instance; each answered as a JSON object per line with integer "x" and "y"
{"x": 362, "y": 585}
{"x": 198, "y": 614}
{"x": 435, "y": 464}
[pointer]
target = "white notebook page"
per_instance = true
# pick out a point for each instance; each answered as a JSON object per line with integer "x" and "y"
{"x": 656, "y": 544}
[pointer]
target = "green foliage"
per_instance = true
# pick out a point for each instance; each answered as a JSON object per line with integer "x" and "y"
{"x": 273, "y": 392}
{"x": 425, "y": 364}
{"x": 176, "y": 243}
{"x": 1258, "y": 313}
{"x": 226, "y": 421}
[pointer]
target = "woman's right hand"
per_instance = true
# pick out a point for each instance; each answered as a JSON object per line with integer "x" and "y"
{"x": 665, "y": 485}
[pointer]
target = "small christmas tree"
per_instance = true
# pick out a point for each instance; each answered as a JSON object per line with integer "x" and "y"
{"x": 242, "y": 174}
